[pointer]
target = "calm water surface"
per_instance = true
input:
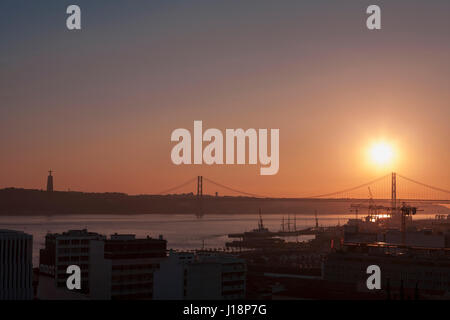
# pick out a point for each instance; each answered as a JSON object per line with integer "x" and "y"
{"x": 182, "y": 231}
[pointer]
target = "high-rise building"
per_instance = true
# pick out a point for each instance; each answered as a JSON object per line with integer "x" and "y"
{"x": 120, "y": 267}
{"x": 126, "y": 272}
{"x": 75, "y": 247}
{"x": 16, "y": 268}
{"x": 50, "y": 182}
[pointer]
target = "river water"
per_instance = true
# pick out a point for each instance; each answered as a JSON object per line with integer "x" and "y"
{"x": 182, "y": 231}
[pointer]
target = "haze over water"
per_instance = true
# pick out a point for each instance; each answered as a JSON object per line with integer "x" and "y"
{"x": 182, "y": 231}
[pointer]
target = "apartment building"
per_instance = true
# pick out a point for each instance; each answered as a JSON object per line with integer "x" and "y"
{"x": 16, "y": 267}
{"x": 126, "y": 270}
{"x": 74, "y": 247}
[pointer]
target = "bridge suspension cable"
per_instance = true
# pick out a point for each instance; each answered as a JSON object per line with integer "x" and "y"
{"x": 234, "y": 190}
{"x": 349, "y": 189}
{"x": 178, "y": 186}
{"x": 385, "y": 190}
{"x": 424, "y": 184}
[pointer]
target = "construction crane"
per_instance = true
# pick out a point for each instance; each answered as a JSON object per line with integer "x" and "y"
{"x": 372, "y": 208}
{"x": 371, "y": 201}
{"x": 405, "y": 211}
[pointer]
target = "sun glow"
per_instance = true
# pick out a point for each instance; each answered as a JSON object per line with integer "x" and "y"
{"x": 381, "y": 153}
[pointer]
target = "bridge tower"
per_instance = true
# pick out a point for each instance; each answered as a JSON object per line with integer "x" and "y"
{"x": 199, "y": 196}
{"x": 199, "y": 186}
{"x": 394, "y": 193}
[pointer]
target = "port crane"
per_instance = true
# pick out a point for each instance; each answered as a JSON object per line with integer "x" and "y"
{"x": 372, "y": 208}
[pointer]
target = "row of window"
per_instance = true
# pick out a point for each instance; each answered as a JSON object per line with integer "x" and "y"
{"x": 72, "y": 250}
{"x": 73, "y": 242}
{"x": 135, "y": 267}
{"x": 135, "y": 286}
{"x": 73, "y": 258}
{"x": 63, "y": 267}
{"x": 133, "y": 277}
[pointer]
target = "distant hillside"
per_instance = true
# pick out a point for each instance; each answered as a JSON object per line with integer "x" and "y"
{"x": 25, "y": 202}
{"x": 36, "y": 202}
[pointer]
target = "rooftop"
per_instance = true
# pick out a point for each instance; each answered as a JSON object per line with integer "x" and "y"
{"x": 14, "y": 234}
{"x": 6, "y": 231}
{"x": 75, "y": 233}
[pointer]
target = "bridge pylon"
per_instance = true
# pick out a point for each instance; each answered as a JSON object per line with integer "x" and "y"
{"x": 199, "y": 213}
{"x": 394, "y": 193}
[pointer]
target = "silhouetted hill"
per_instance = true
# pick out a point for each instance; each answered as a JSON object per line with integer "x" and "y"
{"x": 26, "y": 201}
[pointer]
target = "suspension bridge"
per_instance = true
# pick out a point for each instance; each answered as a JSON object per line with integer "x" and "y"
{"x": 393, "y": 186}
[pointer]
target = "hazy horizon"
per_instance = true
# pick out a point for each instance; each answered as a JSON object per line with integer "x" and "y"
{"x": 98, "y": 106}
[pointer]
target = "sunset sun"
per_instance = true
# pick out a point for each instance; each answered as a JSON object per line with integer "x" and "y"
{"x": 381, "y": 153}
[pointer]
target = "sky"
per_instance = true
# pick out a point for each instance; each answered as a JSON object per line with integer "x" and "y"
{"x": 98, "y": 105}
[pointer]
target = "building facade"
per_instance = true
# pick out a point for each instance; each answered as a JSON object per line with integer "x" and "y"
{"x": 200, "y": 276}
{"x": 410, "y": 268}
{"x": 120, "y": 267}
{"x": 16, "y": 267}
{"x": 127, "y": 268}
{"x": 74, "y": 247}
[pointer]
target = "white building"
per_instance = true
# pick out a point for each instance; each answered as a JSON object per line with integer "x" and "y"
{"x": 16, "y": 267}
{"x": 200, "y": 276}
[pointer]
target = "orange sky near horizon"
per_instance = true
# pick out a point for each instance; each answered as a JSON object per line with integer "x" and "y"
{"x": 99, "y": 107}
